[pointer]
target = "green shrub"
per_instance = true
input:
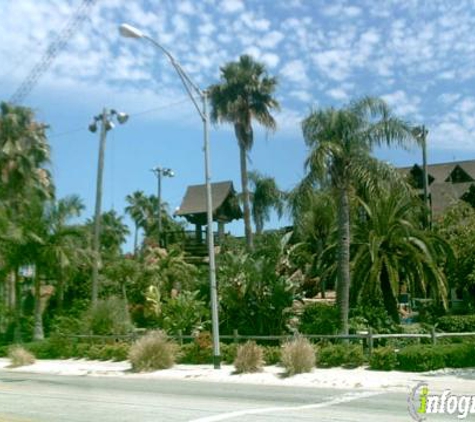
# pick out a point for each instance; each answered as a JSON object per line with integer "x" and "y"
{"x": 19, "y": 356}
{"x": 152, "y": 352}
{"x": 272, "y": 355}
{"x": 185, "y": 312}
{"x": 383, "y": 358}
{"x": 319, "y": 318}
{"x": 249, "y": 358}
{"x": 298, "y": 356}
{"x": 456, "y": 323}
{"x": 421, "y": 358}
{"x": 333, "y": 355}
{"x": 108, "y": 317}
{"x": 353, "y": 357}
{"x": 228, "y": 352}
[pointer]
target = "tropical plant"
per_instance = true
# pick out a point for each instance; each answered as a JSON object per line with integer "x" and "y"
{"x": 245, "y": 93}
{"x": 256, "y": 290}
{"x": 135, "y": 208}
{"x": 392, "y": 248}
{"x": 265, "y": 197}
{"x": 23, "y": 177}
{"x": 340, "y": 143}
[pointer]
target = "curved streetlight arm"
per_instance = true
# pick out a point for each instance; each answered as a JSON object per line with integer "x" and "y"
{"x": 185, "y": 79}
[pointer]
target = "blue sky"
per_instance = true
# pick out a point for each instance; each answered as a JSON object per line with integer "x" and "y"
{"x": 417, "y": 55}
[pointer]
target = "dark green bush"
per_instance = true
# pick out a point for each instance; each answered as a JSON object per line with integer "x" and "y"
{"x": 272, "y": 355}
{"x": 192, "y": 353}
{"x": 319, "y": 318}
{"x": 354, "y": 356}
{"x": 383, "y": 358}
{"x": 228, "y": 352}
{"x": 456, "y": 323}
{"x": 421, "y": 358}
{"x": 332, "y": 355}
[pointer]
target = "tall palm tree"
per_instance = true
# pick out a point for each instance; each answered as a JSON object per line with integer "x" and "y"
{"x": 24, "y": 155}
{"x": 392, "y": 248}
{"x": 135, "y": 209}
{"x": 266, "y": 196}
{"x": 245, "y": 93}
{"x": 340, "y": 142}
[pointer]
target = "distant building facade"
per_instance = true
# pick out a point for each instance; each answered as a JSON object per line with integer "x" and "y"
{"x": 448, "y": 183}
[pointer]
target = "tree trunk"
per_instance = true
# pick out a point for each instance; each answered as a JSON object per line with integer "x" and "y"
{"x": 38, "y": 333}
{"x": 136, "y": 238}
{"x": 390, "y": 302}
{"x": 245, "y": 194}
{"x": 17, "y": 335}
{"x": 343, "y": 281}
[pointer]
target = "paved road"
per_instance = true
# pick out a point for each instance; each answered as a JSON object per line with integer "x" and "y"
{"x": 46, "y": 398}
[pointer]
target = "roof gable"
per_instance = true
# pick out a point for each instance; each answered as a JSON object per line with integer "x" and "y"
{"x": 458, "y": 175}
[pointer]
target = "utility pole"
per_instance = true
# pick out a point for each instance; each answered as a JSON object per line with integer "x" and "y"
{"x": 105, "y": 120}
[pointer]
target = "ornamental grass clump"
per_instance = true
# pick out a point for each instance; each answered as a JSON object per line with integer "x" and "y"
{"x": 298, "y": 356}
{"x": 20, "y": 357}
{"x": 152, "y": 352}
{"x": 249, "y": 358}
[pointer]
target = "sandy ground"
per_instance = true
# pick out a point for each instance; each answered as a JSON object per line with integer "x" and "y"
{"x": 460, "y": 381}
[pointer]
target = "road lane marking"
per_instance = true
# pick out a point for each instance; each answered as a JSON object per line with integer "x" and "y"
{"x": 337, "y": 400}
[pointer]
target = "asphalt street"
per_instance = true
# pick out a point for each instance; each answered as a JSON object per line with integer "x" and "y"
{"x": 47, "y": 398}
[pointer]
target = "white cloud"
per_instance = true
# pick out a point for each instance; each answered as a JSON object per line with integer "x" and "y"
{"x": 295, "y": 71}
{"x": 271, "y": 40}
{"x": 232, "y": 6}
{"x": 270, "y": 59}
{"x": 338, "y": 94}
{"x": 403, "y": 105}
{"x": 301, "y": 95}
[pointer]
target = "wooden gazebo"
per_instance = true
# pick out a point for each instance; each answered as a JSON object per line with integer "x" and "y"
{"x": 225, "y": 206}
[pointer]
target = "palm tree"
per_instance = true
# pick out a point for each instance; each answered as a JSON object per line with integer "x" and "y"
{"x": 246, "y": 92}
{"x": 392, "y": 249}
{"x": 135, "y": 209}
{"x": 24, "y": 153}
{"x": 340, "y": 142}
{"x": 266, "y": 196}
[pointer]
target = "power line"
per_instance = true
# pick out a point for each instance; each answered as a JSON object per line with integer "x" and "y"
{"x": 139, "y": 113}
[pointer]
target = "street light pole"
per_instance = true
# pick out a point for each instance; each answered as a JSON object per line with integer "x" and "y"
{"x": 97, "y": 213}
{"x": 105, "y": 120}
{"x": 192, "y": 90}
{"x": 159, "y": 171}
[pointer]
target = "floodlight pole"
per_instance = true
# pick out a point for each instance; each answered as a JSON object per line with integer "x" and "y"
{"x": 97, "y": 212}
{"x": 131, "y": 32}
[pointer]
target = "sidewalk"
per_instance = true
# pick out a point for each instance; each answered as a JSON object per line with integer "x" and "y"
{"x": 458, "y": 380}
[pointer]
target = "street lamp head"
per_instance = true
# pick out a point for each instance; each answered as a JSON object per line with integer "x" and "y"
{"x": 122, "y": 117}
{"x": 129, "y": 31}
{"x": 168, "y": 172}
{"x": 93, "y": 127}
{"x": 109, "y": 125}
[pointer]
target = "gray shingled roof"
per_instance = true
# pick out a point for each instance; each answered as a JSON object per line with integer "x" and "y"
{"x": 225, "y": 204}
{"x": 444, "y": 193}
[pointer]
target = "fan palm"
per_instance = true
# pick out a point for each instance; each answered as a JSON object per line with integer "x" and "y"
{"x": 246, "y": 93}
{"x": 266, "y": 196}
{"x": 340, "y": 142}
{"x": 392, "y": 249}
